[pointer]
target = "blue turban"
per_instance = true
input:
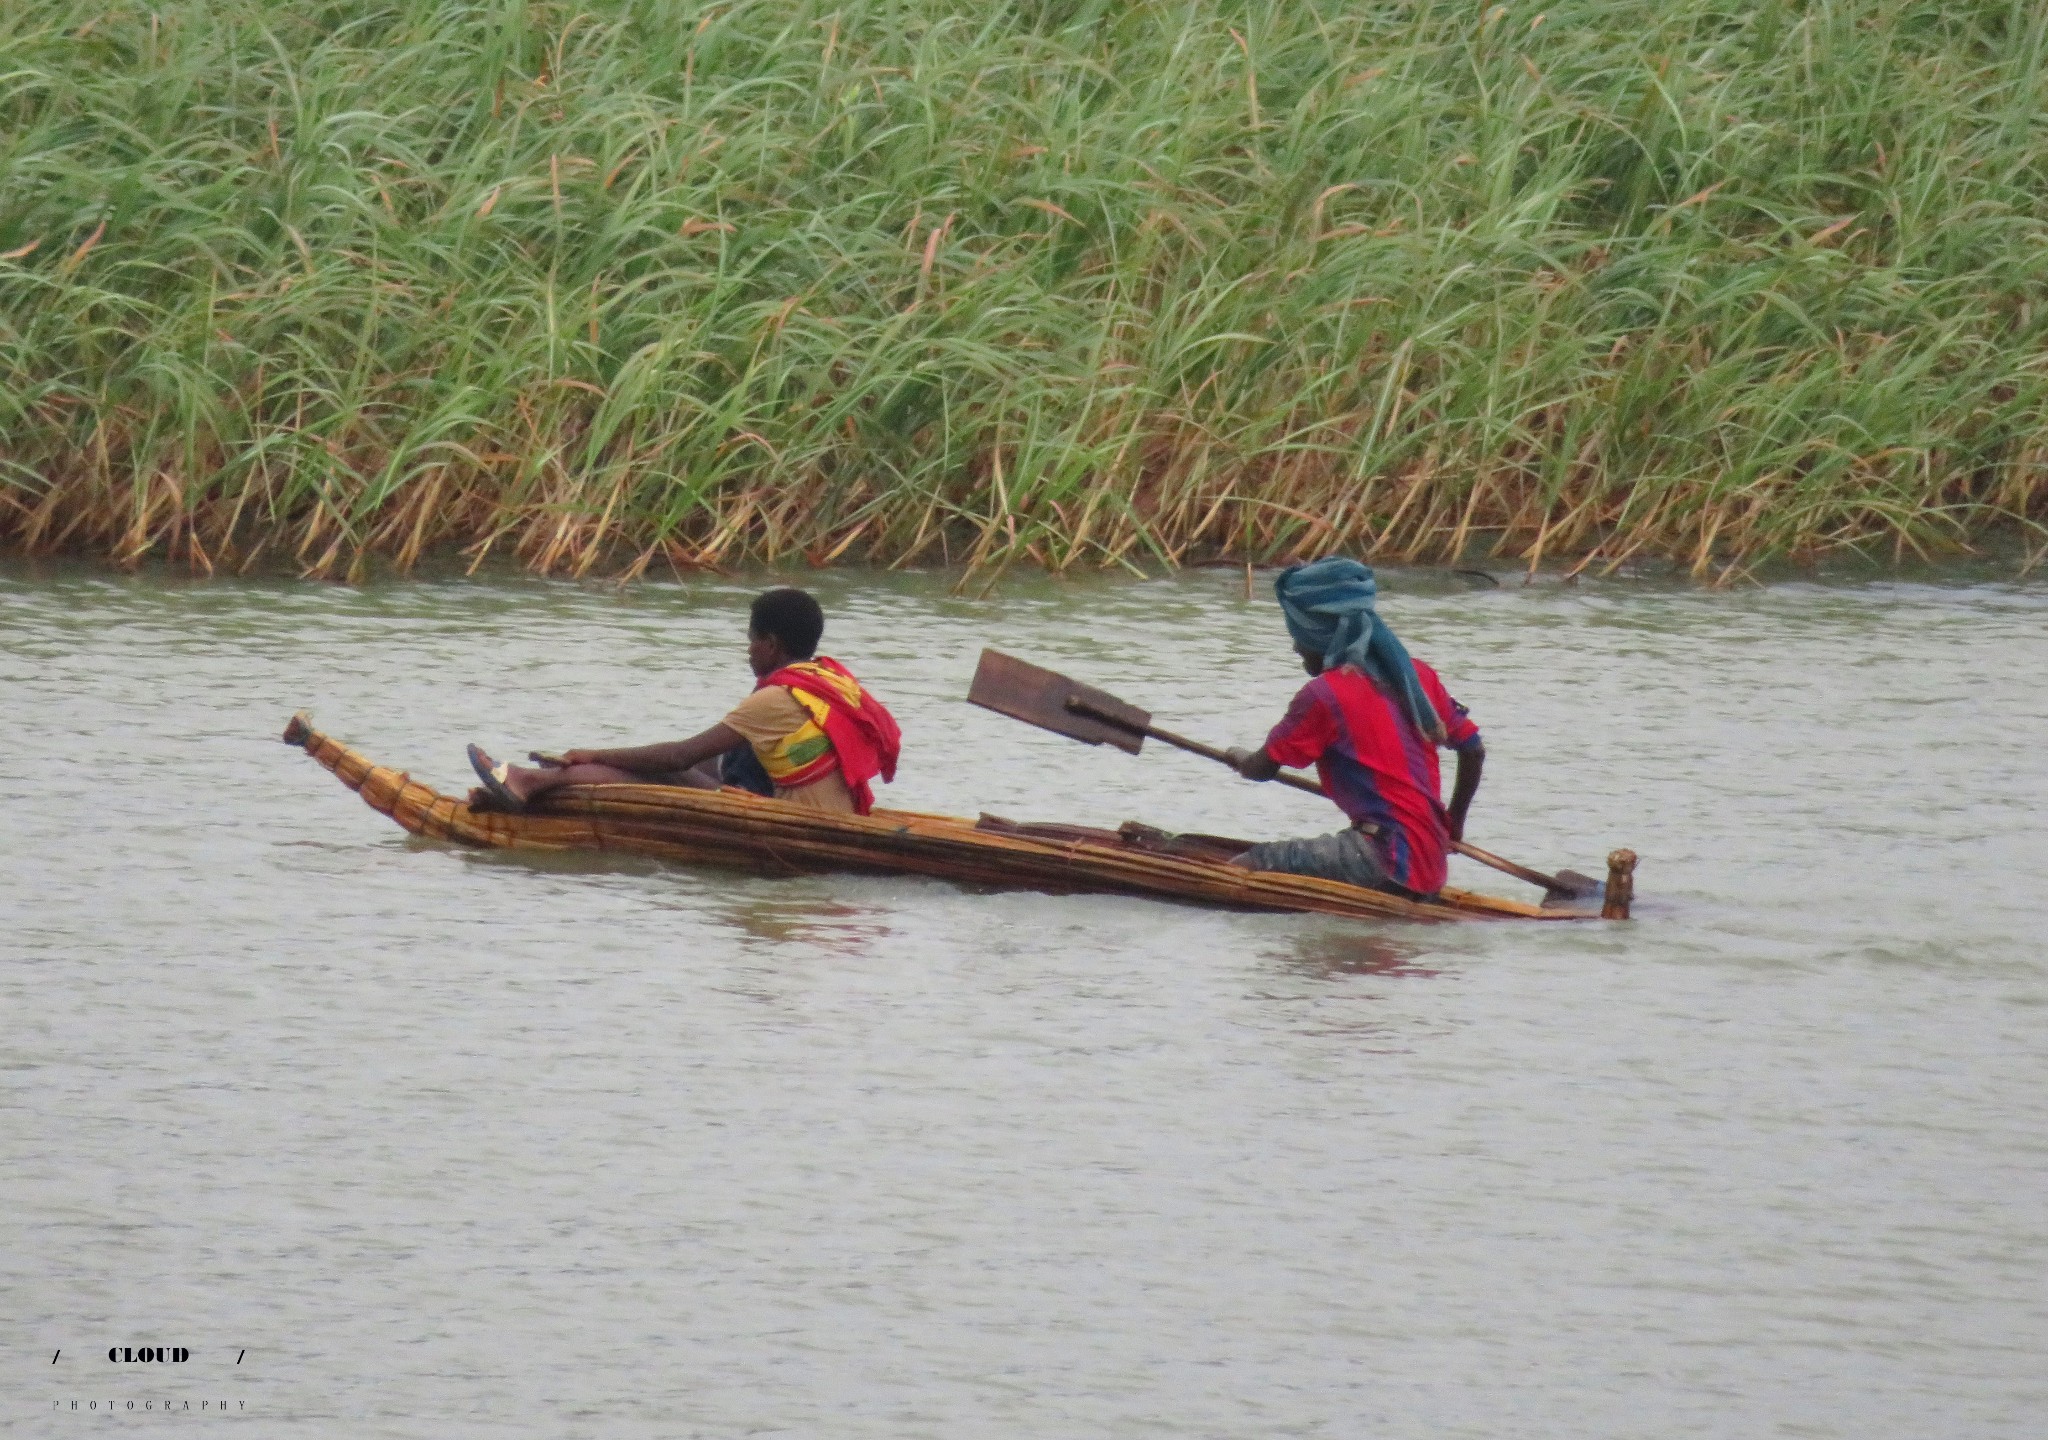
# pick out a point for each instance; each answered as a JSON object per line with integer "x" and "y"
{"x": 1329, "y": 610}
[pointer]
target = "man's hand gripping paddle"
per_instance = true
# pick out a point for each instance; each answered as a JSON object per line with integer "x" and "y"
{"x": 1051, "y": 701}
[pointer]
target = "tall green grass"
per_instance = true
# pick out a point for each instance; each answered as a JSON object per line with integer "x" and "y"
{"x": 1069, "y": 281}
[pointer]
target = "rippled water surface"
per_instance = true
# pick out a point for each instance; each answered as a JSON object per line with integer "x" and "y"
{"x": 444, "y": 1143}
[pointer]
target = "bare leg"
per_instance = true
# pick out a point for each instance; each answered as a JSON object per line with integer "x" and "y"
{"x": 525, "y": 784}
{"x": 529, "y": 784}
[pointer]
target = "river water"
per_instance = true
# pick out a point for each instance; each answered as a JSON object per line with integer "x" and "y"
{"x": 403, "y": 1140}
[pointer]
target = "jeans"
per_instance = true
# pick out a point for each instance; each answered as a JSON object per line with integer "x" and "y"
{"x": 1347, "y": 856}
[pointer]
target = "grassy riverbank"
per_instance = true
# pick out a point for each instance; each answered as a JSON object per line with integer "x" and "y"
{"x": 629, "y": 284}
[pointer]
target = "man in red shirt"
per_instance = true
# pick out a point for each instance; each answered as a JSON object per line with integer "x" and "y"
{"x": 1371, "y": 722}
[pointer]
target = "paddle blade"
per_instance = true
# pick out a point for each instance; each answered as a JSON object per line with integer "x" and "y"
{"x": 1010, "y": 686}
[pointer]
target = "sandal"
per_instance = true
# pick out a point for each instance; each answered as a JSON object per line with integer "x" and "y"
{"x": 494, "y": 777}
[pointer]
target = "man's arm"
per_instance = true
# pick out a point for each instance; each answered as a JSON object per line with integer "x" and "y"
{"x": 669, "y": 755}
{"x": 1471, "y": 761}
{"x": 1301, "y": 737}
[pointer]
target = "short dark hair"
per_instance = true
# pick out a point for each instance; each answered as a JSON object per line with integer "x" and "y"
{"x": 792, "y": 617}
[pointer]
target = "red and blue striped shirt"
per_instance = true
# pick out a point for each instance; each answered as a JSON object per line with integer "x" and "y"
{"x": 1379, "y": 768}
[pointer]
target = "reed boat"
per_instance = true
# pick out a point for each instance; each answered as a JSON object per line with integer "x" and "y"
{"x": 736, "y": 829}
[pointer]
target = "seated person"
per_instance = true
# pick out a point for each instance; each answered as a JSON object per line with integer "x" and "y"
{"x": 809, "y": 734}
{"x": 1370, "y": 721}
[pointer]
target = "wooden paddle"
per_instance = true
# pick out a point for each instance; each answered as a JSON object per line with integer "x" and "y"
{"x": 1051, "y": 701}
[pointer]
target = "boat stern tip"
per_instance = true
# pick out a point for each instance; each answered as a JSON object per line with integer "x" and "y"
{"x": 1621, "y": 885}
{"x": 299, "y": 729}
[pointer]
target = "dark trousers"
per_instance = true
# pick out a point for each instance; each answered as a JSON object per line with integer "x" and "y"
{"x": 742, "y": 768}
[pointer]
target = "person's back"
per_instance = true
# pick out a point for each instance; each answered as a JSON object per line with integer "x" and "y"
{"x": 812, "y": 726}
{"x": 787, "y": 741}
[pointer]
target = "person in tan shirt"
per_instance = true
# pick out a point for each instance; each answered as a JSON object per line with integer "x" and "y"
{"x": 765, "y": 718}
{"x": 788, "y": 740}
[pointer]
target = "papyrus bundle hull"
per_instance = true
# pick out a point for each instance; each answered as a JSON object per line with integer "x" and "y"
{"x": 733, "y": 829}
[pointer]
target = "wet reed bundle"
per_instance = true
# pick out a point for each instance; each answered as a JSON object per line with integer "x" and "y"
{"x": 735, "y": 830}
{"x": 640, "y": 282}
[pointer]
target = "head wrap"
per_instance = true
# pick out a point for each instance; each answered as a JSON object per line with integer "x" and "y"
{"x": 1329, "y": 608}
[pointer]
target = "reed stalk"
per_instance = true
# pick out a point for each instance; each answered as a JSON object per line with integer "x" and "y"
{"x": 1065, "y": 282}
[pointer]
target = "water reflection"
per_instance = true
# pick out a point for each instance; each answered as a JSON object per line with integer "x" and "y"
{"x": 1332, "y": 954}
{"x": 821, "y": 925}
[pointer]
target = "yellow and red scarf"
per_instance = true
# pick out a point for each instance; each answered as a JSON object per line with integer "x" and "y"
{"x": 846, "y": 728}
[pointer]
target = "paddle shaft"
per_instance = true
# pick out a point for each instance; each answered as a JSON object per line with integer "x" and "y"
{"x": 1302, "y": 782}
